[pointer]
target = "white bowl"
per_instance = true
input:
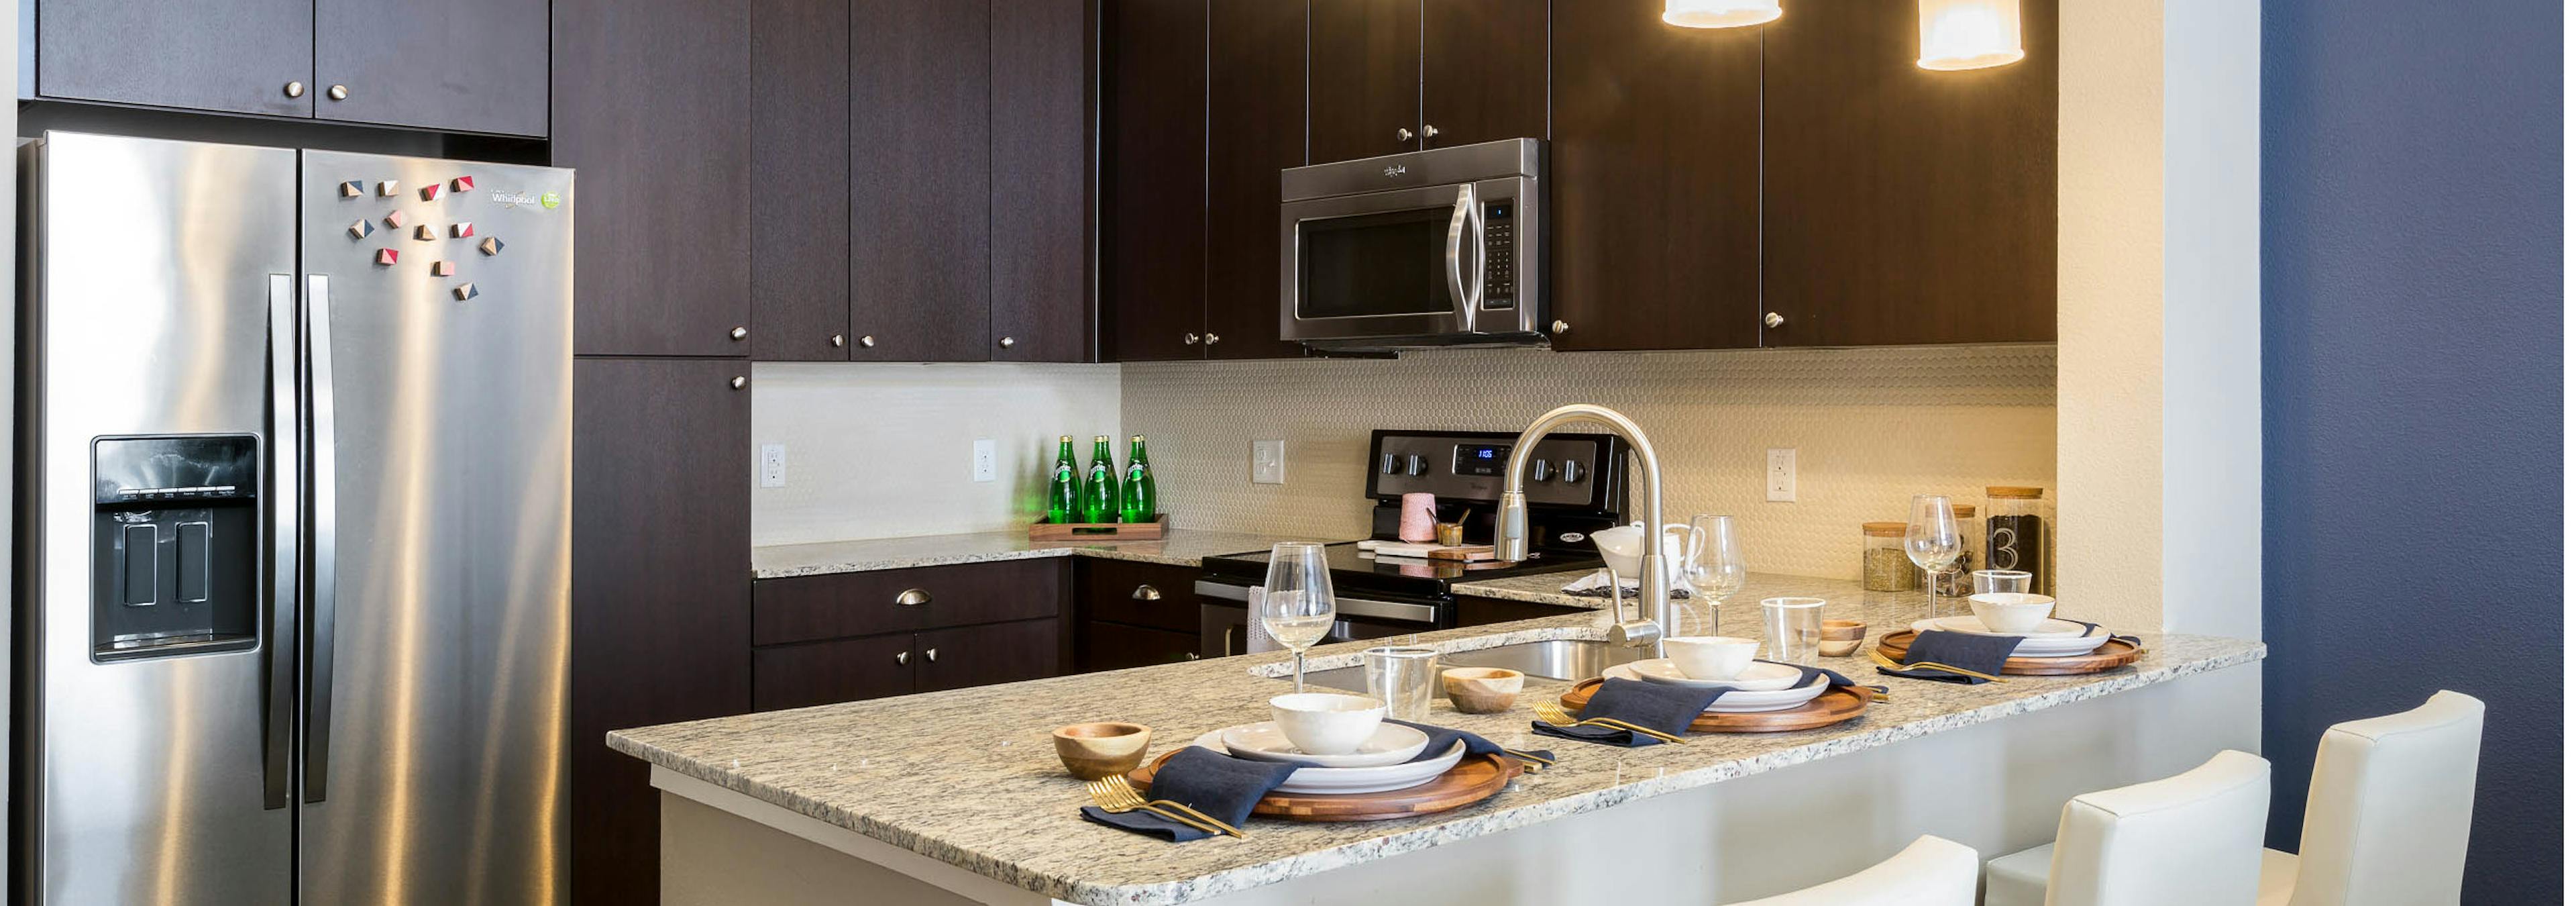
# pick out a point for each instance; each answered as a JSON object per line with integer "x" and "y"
{"x": 1346, "y": 781}
{"x": 1759, "y": 676}
{"x": 2011, "y": 612}
{"x": 1391, "y": 743}
{"x": 1327, "y": 723}
{"x": 1711, "y": 657}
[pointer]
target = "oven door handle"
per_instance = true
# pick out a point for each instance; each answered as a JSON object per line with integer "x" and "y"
{"x": 1466, "y": 230}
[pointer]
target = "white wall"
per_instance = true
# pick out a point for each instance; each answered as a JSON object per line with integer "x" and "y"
{"x": 879, "y": 451}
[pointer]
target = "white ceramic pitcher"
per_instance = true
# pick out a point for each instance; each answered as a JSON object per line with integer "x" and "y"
{"x": 1624, "y": 547}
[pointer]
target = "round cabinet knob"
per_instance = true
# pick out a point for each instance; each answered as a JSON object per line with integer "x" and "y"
{"x": 1211, "y": 339}
{"x": 1146, "y": 593}
{"x": 740, "y": 382}
{"x": 1773, "y": 319}
{"x": 1190, "y": 655}
{"x": 1430, "y": 131}
{"x": 295, "y": 89}
{"x": 1007, "y": 342}
{"x": 868, "y": 340}
{"x": 1403, "y": 134}
{"x": 339, "y": 92}
{"x": 1190, "y": 339}
{"x": 839, "y": 341}
{"x": 930, "y": 654}
{"x": 903, "y": 657}
{"x": 1559, "y": 327}
{"x": 740, "y": 332}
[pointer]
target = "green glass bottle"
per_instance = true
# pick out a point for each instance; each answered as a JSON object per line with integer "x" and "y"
{"x": 1100, "y": 484}
{"x": 1064, "y": 489}
{"x": 1136, "y": 504}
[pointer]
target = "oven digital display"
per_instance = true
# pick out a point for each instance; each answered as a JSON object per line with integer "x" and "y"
{"x": 1482, "y": 459}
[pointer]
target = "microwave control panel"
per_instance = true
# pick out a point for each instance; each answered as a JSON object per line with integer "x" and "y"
{"x": 1498, "y": 253}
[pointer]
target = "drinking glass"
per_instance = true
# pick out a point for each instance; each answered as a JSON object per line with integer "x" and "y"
{"x": 1402, "y": 677}
{"x": 1714, "y": 565}
{"x": 1297, "y": 599}
{"x": 1792, "y": 627}
{"x": 1990, "y": 581}
{"x": 1932, "y": 541}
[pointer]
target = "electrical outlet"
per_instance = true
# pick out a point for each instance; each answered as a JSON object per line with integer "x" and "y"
{"x": 983, "y": 459}
{"x": 773, "y": 465}
{"x": 1269, "y": 462}
{"x": 1780, "y": 478}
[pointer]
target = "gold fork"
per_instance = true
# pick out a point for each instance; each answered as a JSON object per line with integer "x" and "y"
{"x": 1892, "y": 664}
{"x": 1114, "y": 794}
{"x": 1553, "y": 713}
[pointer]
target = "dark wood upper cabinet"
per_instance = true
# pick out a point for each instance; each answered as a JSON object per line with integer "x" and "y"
{"x": 1484, "y": 71}
{"x": 236, "y": 56}
{"x": 1656, "y": 164}
{"x": 1154, "y": 177}
{"x": 920, "y": 190}
{"x": 1256, "y": 80}
{"x": 456, "y": 65}
{"x": 1364, "y": 78}
{"x": 1042, "y": 188}
{"x": 661, "y": 590}
{"x": 800, "y": 155}
{"x": 1902, "y": 205}
{"x": 652, "y": 103}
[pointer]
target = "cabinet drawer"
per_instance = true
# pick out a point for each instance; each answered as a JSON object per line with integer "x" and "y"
{"x": 806, "y": 608}
{"x": 1140, "y": 594}
{"x": 797, "y": 676}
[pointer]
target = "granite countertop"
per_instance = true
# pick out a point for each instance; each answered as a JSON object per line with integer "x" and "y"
{"x": 1177, "y": 547}
{"x": 969, "y": 777}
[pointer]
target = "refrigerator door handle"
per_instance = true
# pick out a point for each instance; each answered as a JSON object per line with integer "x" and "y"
{"x": 277, "y": 700}
{"x": 322, "y": 526}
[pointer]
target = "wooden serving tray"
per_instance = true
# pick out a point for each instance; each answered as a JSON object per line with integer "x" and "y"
{"x": 1474, "y": 780}
{"x": 1833, "y": 707}
{"x": 2114, "y": 654}
{"x": 1100, "y": 531}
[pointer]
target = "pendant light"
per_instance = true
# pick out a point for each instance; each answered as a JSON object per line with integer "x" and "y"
{"x": 1720, "y": 13}
{"x": 1968, "y": 34}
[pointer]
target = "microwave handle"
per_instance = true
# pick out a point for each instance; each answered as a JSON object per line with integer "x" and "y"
{"x": 1467, "y": 230}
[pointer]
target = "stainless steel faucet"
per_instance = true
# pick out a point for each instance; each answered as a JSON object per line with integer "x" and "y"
{"x": 1654, "y": 587}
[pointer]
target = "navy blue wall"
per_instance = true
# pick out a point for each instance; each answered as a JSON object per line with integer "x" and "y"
{"x": 2411, "y": 340}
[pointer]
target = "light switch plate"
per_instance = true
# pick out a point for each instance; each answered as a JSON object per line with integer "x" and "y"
{"x": 1269, "y": 462}
{"x": 983, "y": 459}
{"x": 1780, "y": 476}
{"x": 773, "y": 465}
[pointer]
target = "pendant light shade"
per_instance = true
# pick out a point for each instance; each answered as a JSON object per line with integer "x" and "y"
{"x": 1720, "y": 13}
{"x": 1967, "y": 34}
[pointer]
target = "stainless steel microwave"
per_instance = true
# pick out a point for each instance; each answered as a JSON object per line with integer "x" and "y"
{"x": 1446, "y": 247}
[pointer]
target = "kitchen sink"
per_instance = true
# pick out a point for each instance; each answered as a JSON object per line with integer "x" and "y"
{"x": 1560, "y": 659}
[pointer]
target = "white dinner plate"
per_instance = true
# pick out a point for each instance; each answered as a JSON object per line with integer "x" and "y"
{"x": 2059, "y": 638}
{"x": 1393, "y": 742}
{"x": 1745, "y": 701}
{"x": 1762, "y": 676}
{"x": 1343, "y": 781}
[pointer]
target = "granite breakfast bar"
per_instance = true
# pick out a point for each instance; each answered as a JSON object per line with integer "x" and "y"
{"x": 957, "y": 797}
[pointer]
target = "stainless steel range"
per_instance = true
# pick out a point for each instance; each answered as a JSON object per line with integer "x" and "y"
{"x": 1577, "y": 484}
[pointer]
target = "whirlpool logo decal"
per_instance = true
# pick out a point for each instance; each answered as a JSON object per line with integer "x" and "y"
{"x": 509, "y": 198}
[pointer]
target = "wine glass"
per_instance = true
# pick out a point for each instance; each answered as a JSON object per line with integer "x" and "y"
{"x": 1297, "y": 599}
{"x": 1714, "y": 566}
{"x": 1932, "y": 541}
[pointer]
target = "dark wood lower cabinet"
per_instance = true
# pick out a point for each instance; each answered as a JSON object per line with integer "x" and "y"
{"x": 661, "y": 591}
{"x": 1484, "y": 611}
{"x": 1116, "y": 646}
{"x": 969, "y": 656}
{"x": 820, "y": 673}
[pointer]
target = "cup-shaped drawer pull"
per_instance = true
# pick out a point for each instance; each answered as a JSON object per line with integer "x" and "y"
{"x": 1147, "y": 592}
{"x": 931, "y": 653}
{"x": 912, "y": 597}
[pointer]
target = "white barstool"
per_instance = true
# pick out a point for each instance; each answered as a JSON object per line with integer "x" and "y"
{"x": 2193, "y": 838}
{"x": 1928, "y": 872}
{"x": 2388, "y": 811}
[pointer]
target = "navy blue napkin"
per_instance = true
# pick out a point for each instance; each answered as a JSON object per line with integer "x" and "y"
{"x": 1655, "y": 706}
{"x": 1443, "y": 737}
{"x": 1223, "y": 786}
{"x": 1964, "y": 650}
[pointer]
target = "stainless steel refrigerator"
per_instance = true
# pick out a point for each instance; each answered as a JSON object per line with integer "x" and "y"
{"x": 293, "y": 572}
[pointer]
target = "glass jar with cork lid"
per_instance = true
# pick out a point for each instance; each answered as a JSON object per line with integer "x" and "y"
{"x": 1883, "y": 563}
{"x": 2018, "y": 533}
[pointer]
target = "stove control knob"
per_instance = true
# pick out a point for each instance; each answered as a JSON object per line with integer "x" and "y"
{"x": 1386, "y": 464}
{"x": 1573, "y": 471}
{"x": 1539, "y": 470}
{"x": 1414, "y": 464}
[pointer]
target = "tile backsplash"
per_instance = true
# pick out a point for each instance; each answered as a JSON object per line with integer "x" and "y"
{"x": 1871, "y": 427}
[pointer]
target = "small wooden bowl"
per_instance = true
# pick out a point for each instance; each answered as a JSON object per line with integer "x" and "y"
{"x": 1096, "y": 750}
{"x": 1838, "y": 647}
{"x": 1481, "y": 690}
{"x": 1845, "y": 630}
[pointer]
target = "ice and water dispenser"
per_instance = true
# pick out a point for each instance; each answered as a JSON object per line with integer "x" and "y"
{"x": 175, "y": 544}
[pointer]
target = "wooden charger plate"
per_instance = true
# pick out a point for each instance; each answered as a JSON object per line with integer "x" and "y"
{"x": 1833, "y": 707}
{"x": 1474, "y": 780}
{"x": 2113, "y": 655}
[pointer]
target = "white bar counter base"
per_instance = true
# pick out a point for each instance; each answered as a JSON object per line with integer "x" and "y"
{"x": 1723, "y": 818}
